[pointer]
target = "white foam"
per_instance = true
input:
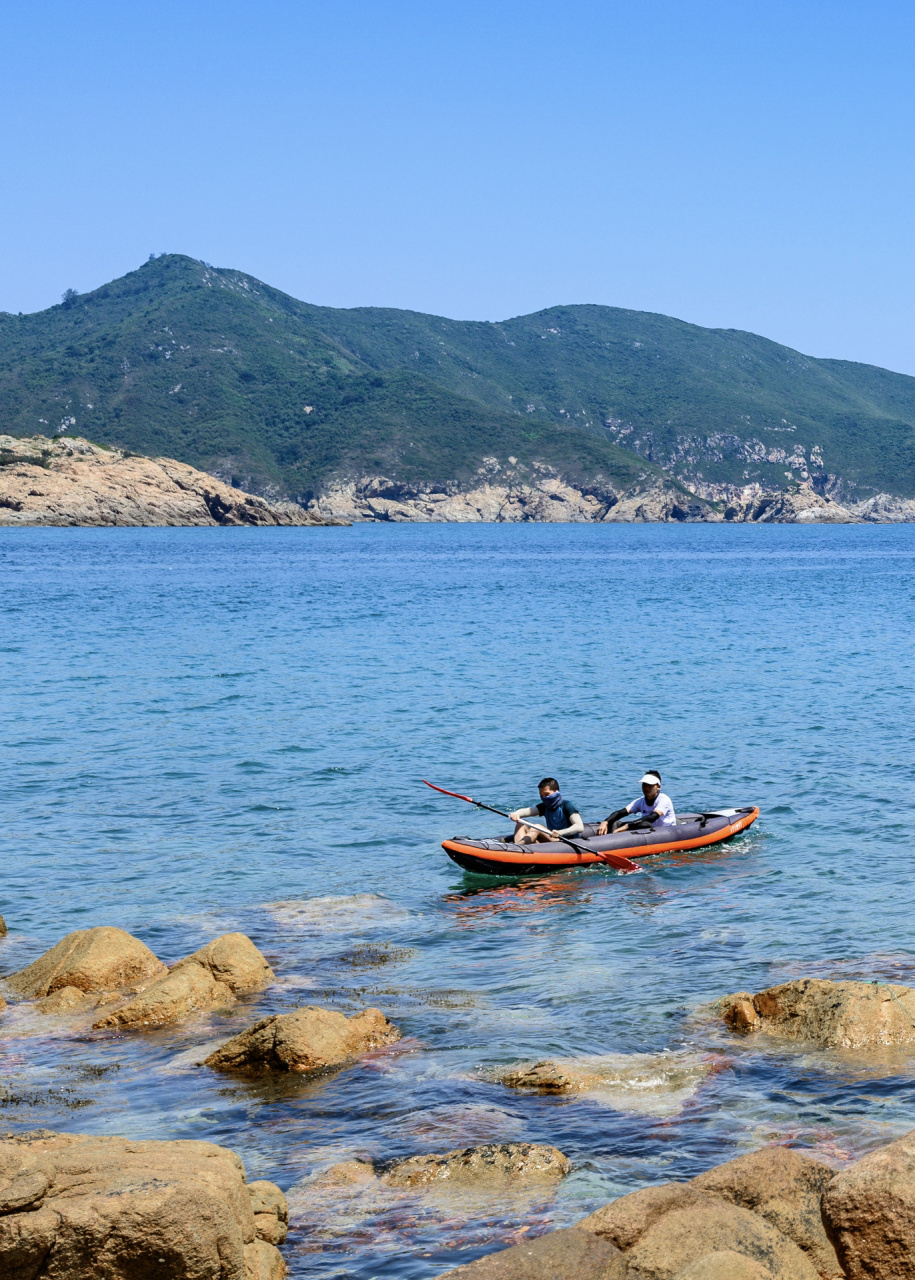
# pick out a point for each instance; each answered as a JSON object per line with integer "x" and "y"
{"x": 336, "y": 914}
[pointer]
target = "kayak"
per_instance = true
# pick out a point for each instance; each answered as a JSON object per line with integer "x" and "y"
{"x": 499, "y": 857}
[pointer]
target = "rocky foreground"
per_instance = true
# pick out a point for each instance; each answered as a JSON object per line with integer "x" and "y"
{"x": 76, "y": 1207}
{"x": 72, "y": 482}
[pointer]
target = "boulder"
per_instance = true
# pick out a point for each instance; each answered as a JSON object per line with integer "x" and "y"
{"x": 724, "y": 1265}
{"x": 569, "y": 1253}
{"x": 847, "y": 1015}
{"x": 67, "y": 1000}
{"x": 869, "y": 1211}
{"x": 347, "y": 1173}
{"x": 683, "y": 1236}
{"x": 3, "y": 929}
{"x": 87, "y": 1207}
{"x": 654, "y": 1083}
{"x": 624, "y": 1221}
{"x": 209, "y": 979}
{"x": 515, "y": 1163}
{"x": 310, "y": 1039}
{"x": 234, "y": 960}
{"x": 784, "y": 1187}
{"x": 271, "y": 1213}
{"x": 101, "y": 959}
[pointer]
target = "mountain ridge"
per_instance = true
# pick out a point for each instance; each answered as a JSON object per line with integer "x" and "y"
{"x": 288, "y": 399}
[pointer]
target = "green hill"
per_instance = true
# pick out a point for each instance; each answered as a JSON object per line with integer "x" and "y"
{"x": 217, "y": 369}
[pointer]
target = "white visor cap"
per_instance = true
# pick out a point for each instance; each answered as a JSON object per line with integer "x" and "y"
{"x": 650, "y": 780}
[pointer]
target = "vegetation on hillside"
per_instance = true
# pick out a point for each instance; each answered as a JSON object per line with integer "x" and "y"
{"x": 222, "y": 371}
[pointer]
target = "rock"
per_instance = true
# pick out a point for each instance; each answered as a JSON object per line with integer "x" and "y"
{"x": 347, "y": 1173}
{"x": 624, "y": 1221}
{"x": 802, "y": 506}
{"x": 496, "y": 1162}
{"x": 654, "y": 1083}
{"x": 208, "y": 979}
{"x": 3, "y": 929}
{"x": 724, "y": 1265}
{"x": 263, "y": 1262}
{"x": 509, "y": 494}
{"x": 848, "y": 1015}
{"x": 86, "y": 1207}
{"x": 99, "y": 959}
{"x": 271, "y": 1213}
{"x": 784, "y": 1187}
{"x": 869, "y": 1211}
{"x": 233, "y": 959}
{"x": 2, "y": 1004}
{"x": 68, "y": 481}
{"x": 310, "y": 1039}
{"x": 569, "y": 1254}
{"x": 67, "y": 1000}
{"x": 683, "y": 1236}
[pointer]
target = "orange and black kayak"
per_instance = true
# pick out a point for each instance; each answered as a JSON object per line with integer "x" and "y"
{"x": 499, "y": 857}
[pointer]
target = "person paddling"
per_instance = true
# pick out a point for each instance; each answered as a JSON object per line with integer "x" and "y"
{"x": 559, "y": 815}
{"x": 653, "y": 806}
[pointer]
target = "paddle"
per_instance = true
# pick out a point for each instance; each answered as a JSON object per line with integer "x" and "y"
{"x": 612, "y": 859}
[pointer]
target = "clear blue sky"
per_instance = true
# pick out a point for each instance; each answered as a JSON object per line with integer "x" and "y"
{"x": 746, "y": 164}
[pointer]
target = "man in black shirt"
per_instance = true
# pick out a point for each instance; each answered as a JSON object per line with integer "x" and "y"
{"x": 561, "y": 816}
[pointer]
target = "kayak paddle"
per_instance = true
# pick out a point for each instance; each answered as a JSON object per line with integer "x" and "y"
{"x": 612, "y": 859}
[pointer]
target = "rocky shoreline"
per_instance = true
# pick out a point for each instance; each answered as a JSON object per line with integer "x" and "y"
{"x": 78, "y": 1207}
{"x": 68, "y": 481}
{"x": 546, "y": 497}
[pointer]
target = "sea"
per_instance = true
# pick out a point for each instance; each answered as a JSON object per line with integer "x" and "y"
{"x": 207, "y": 730}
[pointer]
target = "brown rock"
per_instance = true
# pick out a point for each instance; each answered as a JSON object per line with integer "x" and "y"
{"x": 266, "y": 1197}
{"x": 724, "y": 1265}
{"x": 310, "y": 1039}
{"x": 72, "y": 482}
{"x": 3, "y": 929}
{"x": 624, "y": 1221}
{"x": 848, "y": 1015}
{"x": 346, "y": 1173}
{"x": 501, "y": 1162}
{"x": 869, "y": 1211}
{"x": 271, "y": 1213}
{"x": 232, "y": 959}
{"x": 569, "y": 1254}
{"x": 99, "y": 959}
{"x": 263, "y": 1262}
{"x": 784, "y": 1187}
{"x": 208, "y": 979}
{"x": 192, "y": 989}
{"x": 2, "y": 1004}
{"x": 67, "y": 1000}
{"x": 120, "y": 1210}
{"x": 683, "y": 1236}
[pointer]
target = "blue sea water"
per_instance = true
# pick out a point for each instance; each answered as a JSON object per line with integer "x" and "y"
{"x": 217, "y": 729}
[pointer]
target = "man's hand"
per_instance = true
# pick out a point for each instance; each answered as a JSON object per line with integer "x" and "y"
{"x": 603, "y": 828}
{"x": 515, "y": 817}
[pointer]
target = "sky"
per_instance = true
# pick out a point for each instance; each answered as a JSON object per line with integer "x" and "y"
{"x": 737, "y": 164}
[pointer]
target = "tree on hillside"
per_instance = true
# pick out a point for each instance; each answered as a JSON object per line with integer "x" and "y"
{"x": 69, "y": 297}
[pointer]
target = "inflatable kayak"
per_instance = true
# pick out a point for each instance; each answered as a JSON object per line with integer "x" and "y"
{"x": 500, "y": 857}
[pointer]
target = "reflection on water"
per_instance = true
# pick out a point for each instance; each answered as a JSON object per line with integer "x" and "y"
{"x": 210, "y": 730}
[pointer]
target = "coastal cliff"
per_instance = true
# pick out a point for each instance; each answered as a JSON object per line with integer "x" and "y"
{"x": 72, "y": 482}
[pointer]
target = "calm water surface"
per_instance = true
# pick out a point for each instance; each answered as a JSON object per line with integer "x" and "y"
{"x": 216, "y": 729}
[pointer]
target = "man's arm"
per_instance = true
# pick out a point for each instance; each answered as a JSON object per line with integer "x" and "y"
{"x": 577, "y": 825}
{"x": 517, "y": 814}
{"x": 607, "y": 824}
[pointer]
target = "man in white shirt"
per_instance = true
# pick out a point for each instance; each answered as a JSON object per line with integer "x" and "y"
{"x": 652, "y": 806}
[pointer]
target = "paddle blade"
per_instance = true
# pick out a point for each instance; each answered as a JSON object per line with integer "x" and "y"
{"x": 618, "y": 861}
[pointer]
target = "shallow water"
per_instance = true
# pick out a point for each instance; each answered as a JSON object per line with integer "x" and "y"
{"x": 223, "y": 729}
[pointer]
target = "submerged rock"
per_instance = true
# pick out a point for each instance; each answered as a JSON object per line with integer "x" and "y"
{"x": 654, "y": 1083}
{"x": 209, "y": 979}
{"x": 86, "y": 1207}
{"x": 869, "y": 1210}
{"x": 847, "y": 1015}
{"x": 496, "y": 1162}
{"x": 101, "y": 959}
{"x": 569, "y": 1253}
{"x": 310, "y": 1039}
